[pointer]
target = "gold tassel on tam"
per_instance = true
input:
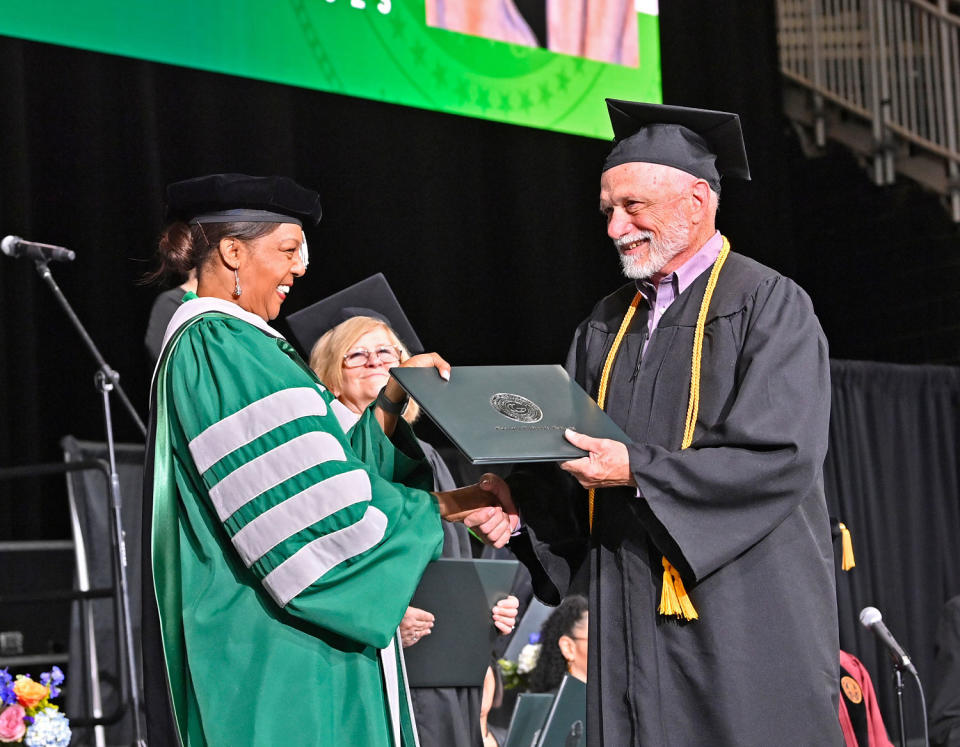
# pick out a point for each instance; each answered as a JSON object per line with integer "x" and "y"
{"x": 674, "y": 600}
{"x": 848, "y": 562}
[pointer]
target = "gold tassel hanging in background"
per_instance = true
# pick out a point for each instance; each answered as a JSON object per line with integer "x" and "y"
{"x": 847, "y": 544}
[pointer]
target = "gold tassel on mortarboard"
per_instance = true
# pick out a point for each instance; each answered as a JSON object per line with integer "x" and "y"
{"x": 847, "y": 543}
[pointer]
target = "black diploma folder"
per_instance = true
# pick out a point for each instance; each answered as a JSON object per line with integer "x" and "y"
{"x": 508, "y": 414}
{"x": 459, "y": 594}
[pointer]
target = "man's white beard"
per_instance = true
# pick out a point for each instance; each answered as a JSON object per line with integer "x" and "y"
{"x": 674, "y": 239}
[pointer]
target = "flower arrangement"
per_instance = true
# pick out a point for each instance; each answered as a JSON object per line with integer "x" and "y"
{"x": 515, "y": 672}
{"x": 26, "y": 713}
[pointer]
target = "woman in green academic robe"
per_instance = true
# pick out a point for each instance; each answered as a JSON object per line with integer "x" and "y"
{"x": 280, "y": 562}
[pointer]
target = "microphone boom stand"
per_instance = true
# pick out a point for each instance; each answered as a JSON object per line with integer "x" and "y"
{"x": 107, "y": 380}
{"x": 899, "y": 666}
{"x": 898, "y": 686}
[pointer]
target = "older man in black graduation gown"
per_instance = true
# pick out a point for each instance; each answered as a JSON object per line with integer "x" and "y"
{"x": 715, "y": 512}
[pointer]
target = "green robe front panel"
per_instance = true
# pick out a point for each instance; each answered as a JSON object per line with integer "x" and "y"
{"x": 282, "y": 561}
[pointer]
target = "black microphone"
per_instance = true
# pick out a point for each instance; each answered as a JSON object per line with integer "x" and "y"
{"x": 871, "y": 619}
{"x": 14, "y": 246}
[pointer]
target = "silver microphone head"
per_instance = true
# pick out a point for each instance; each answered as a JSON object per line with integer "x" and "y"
{"x": 870, "y": 616}
{"x": 8, "y": 245}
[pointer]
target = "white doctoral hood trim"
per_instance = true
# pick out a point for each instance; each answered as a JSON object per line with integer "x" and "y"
{"x": 205, "y": 305}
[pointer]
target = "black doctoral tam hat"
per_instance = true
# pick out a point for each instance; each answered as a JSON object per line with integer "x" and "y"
{"x": 372, "y": 297}
{"x": 701, "y": 142}
{"x": 222, "y": 198}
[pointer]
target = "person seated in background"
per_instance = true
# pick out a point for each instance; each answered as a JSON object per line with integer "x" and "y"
{"x": 945, "y": 706}
{"x": 353, "y": 359}
{"x": 491, "y": 696}
{"x": 161, "y": 312}
{"x": 563, "y": 646}
{"x": 860, "y": 719}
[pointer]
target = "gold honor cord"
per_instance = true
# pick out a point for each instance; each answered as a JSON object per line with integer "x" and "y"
{"x": 605, "y": 376}
{"x": 674, "y": 599}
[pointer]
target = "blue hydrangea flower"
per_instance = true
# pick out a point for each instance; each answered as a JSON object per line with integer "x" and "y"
{"x": 50, "y": 729}
{"x": 52, "y": 679}
{"x": 7, "y": 695}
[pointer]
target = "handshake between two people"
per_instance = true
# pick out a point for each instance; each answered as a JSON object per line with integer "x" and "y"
{"x": 486, "y": 507}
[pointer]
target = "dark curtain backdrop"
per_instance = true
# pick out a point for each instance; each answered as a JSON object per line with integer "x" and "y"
{"x": 892, "y": 477}
{"x": 489, "y": 234}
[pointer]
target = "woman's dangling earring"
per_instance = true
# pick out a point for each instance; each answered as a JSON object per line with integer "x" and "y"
{"x": 236, "y": 290}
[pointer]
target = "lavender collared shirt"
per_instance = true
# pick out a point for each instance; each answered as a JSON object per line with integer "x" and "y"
{"x": 660, "y": 297}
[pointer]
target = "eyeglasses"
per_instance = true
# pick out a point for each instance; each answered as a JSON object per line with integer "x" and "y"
{"x": 386, "y": 354}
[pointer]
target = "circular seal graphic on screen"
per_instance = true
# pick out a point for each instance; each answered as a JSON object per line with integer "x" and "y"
{"x": 516, "y": 407}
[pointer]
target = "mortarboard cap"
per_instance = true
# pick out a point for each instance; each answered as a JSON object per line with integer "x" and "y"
{"x": 372, "y": 296}
{"x": 219, "y": 198}
{"x": 701, "y": 142}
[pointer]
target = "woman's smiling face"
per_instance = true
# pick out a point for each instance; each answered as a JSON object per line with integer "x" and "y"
{"x": 267, "y": 270}
{"x": 362, "y": 384}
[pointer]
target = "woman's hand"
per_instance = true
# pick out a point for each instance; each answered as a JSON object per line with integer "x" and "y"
{"x": 505, "y": 614}
{"x": 416, "y": 624}
{"x": 395, "y": 392}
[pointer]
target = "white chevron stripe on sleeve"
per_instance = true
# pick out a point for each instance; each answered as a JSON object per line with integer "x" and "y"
{"x": 273, "y": 467}
{"x": 313, "y": 560}
{"x": 300, "y": 511}
{"x": 253, "y": 421}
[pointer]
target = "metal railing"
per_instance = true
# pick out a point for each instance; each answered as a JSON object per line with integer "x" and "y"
{"x": 83, "y": 595}
{"x": 895, "y": 65}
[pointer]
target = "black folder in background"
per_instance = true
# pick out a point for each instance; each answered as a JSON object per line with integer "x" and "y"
{"x": 460, "y": 594}
{"x": 508, "y": 414}
{"x": 529, "y": 714}
{"x": 567, "y": 720}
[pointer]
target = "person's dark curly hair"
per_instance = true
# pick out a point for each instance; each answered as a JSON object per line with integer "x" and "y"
{"x": 551, "y": 666}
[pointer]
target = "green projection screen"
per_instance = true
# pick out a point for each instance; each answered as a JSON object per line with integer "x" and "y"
{"x": 478, "y": 58}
